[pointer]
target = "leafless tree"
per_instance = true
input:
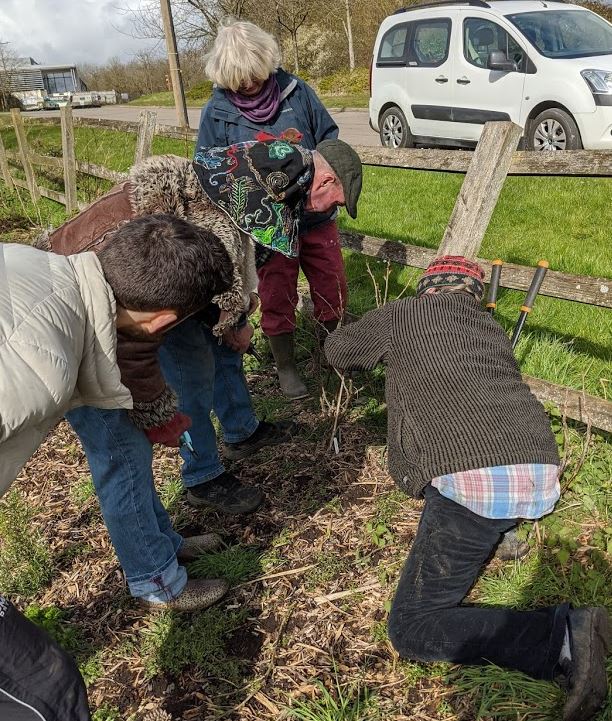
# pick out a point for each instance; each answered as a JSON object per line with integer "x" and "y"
{"x": 347, "y": 24}
{"x": 195, "y": 21}
{"x": 291, "y": 15}
{"x": 9, "y": 62}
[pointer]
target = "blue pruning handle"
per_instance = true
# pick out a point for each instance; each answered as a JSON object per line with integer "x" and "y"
{"x": 185, "y": 441}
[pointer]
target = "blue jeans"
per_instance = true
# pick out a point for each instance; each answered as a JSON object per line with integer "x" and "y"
{"x": 427, "y": 622}
{"x": 204, "y": 375}
{"x": 120, "y": 459}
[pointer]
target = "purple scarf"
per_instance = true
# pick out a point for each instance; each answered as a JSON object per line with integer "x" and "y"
{"x": 258, "y": 108}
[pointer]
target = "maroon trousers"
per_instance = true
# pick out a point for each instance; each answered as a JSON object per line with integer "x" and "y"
{"x": 321, "y": 260}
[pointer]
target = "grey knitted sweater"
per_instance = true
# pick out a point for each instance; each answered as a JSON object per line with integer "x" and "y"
{"x": 455, "y": 397}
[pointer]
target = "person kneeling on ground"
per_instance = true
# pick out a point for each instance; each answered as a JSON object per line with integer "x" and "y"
{"x": 58, "y": 321}
{"x": 465, "y": 433}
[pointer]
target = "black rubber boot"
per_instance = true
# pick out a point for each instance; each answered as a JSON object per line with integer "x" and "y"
{"x": 283, "y": 351}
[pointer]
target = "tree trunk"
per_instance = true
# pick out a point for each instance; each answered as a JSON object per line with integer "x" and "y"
{"x": 349, "y": 34}
{"x": 296, "y": 58}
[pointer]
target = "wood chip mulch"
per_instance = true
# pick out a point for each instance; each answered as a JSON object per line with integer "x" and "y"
{"x": 312, "y": 616}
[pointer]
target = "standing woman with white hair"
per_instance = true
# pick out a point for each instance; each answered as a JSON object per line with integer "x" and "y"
{"x": 255, "y": 99}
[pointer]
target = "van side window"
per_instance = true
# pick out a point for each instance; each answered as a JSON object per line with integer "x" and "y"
{"x": 429, "y": 43}
{"x": 393, "y": 46}
{"x": 481, "y": 36}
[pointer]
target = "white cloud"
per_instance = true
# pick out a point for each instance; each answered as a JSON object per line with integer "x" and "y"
{"x": 69, "y": 31}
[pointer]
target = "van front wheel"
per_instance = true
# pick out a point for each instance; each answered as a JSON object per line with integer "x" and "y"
{"x": 394, "y": 130}
{"x": 554, "y": 129}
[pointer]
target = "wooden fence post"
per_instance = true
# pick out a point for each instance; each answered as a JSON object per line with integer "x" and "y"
{"x": 146, "y": 131}
{"x": 4, "y": 166}
{"x": 480, "y": 190}
{"x": 69, "y": 160}
{"x": 24, "y": 153}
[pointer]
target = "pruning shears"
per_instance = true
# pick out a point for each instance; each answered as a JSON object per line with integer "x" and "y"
{"x": 252, "y": 351}
{"x": 185, "y": 441}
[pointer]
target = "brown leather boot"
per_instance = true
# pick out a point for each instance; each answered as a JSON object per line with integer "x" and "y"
{"x": 283, "y": 351}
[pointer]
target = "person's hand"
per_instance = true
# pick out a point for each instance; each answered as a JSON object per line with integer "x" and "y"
{"x": 170, "y": 433}
{"x": 238, "y": 339}
{"x": 253, "y": 303}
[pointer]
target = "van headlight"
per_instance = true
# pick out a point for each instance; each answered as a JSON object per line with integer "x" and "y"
{"x": 599, "y": 81}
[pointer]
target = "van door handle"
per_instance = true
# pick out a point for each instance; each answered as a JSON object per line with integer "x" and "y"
{"x": 441, "y": 79}
{"x": 464, "y": 81}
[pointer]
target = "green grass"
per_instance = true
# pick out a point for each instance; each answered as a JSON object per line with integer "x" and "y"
{"x": 107, "y": 713}
{"x": 194, "y": 100}
{"x": 83, "y": 491}
{"x": 174, "y": 641}
{"x": 351, "y": 100}
{"x": 235, "y": 564}
{"x": 25, "y": 561}
{"x": 342, "y": 703}
{"x": 499, "y": 695}
{"x": 56, "y": 623}
{"x": 562, "y": 219}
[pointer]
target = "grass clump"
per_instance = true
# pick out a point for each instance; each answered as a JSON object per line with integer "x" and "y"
{"x": 55, "y": 622}
{"x": 107, "y": 713}
{"x": 25, "y": 561}
{"x": 342, "y": 703}
{"x": 91, "y": 667}
{"x": 235, "y": 564}
{"x": 174, "y": 641}
{"x": 82, "y": 491}
{"x": 500, "y": 695}
{"x": 171, "y": 489}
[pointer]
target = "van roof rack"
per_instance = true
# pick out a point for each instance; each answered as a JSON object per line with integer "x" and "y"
{"x": 428, "y": 4}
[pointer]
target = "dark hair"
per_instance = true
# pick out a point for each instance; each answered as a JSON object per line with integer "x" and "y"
{"x": 161, "y": 261}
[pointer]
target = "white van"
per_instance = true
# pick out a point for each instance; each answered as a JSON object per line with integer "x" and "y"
{"x": 440, "y": 71}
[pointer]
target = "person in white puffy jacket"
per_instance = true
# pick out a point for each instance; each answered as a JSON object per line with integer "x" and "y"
{"x": 59, "y": 317}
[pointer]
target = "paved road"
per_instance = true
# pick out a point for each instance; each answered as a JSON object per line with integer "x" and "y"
{"x": 353, "y": 124}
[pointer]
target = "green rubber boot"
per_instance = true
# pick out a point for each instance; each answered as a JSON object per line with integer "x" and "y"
{"x": 283, "y": 351}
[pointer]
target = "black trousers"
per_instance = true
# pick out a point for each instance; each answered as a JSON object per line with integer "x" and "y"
{"x": 38, "y": 680}
{"x": 427, "y": 622}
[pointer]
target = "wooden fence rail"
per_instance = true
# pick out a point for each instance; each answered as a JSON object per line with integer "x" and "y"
{"x": 485, "y": 170}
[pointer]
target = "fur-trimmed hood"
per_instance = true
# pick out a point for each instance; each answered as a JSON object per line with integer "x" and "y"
{"x": 168, "y": 184}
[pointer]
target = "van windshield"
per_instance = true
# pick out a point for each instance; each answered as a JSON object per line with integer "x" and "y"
{"x": 565, "y": 33}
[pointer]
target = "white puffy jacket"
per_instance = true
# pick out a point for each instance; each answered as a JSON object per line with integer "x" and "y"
{"x": 57, "y": 347}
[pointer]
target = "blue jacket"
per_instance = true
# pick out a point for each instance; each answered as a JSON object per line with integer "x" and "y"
{"x": 221, "y": 123}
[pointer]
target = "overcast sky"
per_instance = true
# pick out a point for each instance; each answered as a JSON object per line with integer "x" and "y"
{"x": 68, "y": 31}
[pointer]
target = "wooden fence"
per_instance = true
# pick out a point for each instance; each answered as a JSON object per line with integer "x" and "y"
{"x": 485, "y": 171}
